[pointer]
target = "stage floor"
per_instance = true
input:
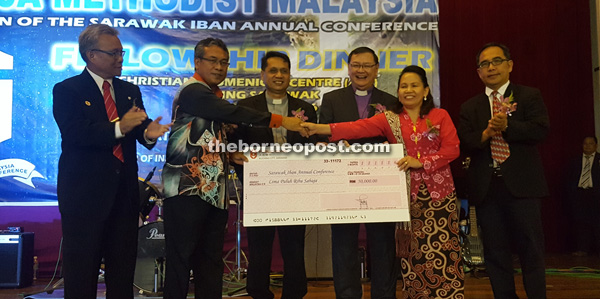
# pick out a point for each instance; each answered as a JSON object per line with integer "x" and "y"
{"x": 567, "y": 277}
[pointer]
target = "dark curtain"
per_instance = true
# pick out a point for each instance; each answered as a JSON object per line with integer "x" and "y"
{"x": 550, "y": 45}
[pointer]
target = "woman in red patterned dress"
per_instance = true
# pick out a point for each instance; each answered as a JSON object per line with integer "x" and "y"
{"x": 434, "y": 266}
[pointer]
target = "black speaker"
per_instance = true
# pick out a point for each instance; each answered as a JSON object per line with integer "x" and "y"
{"x": 16, "y": 260}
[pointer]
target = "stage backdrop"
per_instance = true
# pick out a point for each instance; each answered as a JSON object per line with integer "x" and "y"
{"x": 38, "y": 48}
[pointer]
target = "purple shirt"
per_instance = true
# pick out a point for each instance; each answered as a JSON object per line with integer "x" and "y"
{"x": 362, "y": 102}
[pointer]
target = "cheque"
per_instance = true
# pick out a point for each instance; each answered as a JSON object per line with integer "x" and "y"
{"x": 295, "y": 189}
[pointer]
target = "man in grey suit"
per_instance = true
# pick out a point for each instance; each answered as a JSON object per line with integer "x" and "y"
{"x": 500, "y": 130}
{"x": 357, "y": 101}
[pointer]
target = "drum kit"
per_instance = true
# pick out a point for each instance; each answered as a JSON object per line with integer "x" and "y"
{"x": 149, "y": 274}
{"x": 150, "y": 264}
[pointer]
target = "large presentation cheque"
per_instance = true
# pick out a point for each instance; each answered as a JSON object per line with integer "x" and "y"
{"x": 324, "y": 188}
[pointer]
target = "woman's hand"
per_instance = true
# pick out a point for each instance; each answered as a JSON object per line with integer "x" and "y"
{"x": 312, "y": 129}
{"x": 408, "y": 162}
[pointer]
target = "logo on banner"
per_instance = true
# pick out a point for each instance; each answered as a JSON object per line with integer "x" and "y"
{"x": 20, "y": 170}
{"x": 6, "y": 63}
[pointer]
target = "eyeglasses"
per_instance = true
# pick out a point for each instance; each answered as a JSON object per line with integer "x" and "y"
{"x": 274, "y": 71}
{"x": 357, "y": 66}
{"x": 113, "y": 54}
{"x": 496, "y": 61}
{"x": 214, "y": 62}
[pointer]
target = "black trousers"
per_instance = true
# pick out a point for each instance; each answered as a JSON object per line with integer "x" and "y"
{"x": 260, "y": 245}
{"x": 507, "y": 220}
{"x": 87, "y": 240}
{"x": 586, "y": 209}
{"x": 346, "y": 261}
{"x": 194, "y": 236}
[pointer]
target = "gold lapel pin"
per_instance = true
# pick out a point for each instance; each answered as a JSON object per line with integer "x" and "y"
{"x": 87, "y": 103}
{"x": 129, "y": 98}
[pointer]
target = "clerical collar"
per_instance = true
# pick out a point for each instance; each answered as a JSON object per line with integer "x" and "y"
{"x": 362, "y": 93}
{"x": 273, "y": 101}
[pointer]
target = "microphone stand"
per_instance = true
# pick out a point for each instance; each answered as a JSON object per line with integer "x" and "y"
{"x": 237, "y": 272}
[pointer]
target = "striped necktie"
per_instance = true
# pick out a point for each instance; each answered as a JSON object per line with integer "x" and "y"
{"x": 586, "y": 177}
{"x": 499, "y": 146}
{"x": 113, "y": 116}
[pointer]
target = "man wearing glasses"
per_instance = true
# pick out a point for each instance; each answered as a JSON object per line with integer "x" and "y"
{"x": 357, "y": 101}
{"x": 100, "y": 118}
{"x": 276, "y": 75}
{"x": 194, "y": 178}
{"x": 500, "y": 129}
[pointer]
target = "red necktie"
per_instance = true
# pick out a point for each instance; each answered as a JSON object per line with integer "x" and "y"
{"x": 500, "y": 150}
{"x": 111, "y": 111}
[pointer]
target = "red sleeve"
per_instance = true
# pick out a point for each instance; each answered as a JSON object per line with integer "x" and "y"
{"x": 276, "y": 121}
{"x": 362, "y": 128}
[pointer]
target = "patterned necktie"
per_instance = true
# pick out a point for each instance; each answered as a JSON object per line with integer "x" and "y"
{"x": 586, "y": 173}
{"x": 111, "y": 111}
{"x": 500, "y": 149}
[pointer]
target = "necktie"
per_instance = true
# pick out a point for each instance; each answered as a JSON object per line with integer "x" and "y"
{"x": 500, "y": 149}
{"x": 586, "y": 173}
{"x": 111, "y": 111}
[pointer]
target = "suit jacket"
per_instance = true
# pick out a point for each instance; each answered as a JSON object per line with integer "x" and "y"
{"x": 527, "y": 126}
{"x": 574, "y": 173}
{"x": 87, "y": 170}
{"x": 264, "y": 134}
{"x": 340, "y": 106}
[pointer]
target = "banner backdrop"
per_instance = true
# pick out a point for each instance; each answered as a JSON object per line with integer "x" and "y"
{"x": 38, "y": 48}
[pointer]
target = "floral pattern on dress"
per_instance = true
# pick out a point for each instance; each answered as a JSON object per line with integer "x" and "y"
{"x": 434, "y": 157}
{"x": 435, "y": 154}
{"x": 434, "y": 266}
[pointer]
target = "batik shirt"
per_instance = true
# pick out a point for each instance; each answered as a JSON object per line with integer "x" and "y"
{"x": 199, "y": 114}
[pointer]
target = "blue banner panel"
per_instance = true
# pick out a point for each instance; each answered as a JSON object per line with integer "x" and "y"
{"x": 38, "y": 48}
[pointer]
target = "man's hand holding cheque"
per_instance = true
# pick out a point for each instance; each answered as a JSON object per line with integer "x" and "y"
{"x": 292, "y": 124}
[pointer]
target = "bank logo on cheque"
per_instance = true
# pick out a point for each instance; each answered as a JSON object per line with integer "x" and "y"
{"x": 20, "y": 170}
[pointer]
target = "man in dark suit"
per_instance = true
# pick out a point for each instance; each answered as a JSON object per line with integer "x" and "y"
{"x": 100, "y": 118}
{"x": 500, "y": 130}
{"x": 584, "y": 199}
{"x": 275, "y": 74}
{"x": 357, "y": 101}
